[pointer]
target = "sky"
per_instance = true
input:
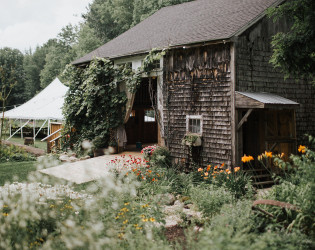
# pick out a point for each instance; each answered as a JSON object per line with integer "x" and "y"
{"x": 24, "y": 24}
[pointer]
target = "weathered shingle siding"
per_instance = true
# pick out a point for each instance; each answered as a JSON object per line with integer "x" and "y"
{"x": 198, "y": 83}
{"x": 255, "y": 73}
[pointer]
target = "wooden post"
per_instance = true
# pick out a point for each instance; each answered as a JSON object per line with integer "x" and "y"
{"x": 34, "y": 123}
{"x": 21, "y": 129}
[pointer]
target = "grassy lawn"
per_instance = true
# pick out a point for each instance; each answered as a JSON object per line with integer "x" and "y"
{"x": 38, "y": 143}
{"x": 15, "y": 171}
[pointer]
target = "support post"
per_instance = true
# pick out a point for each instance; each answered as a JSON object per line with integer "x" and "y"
{"x": 244, "y": 119}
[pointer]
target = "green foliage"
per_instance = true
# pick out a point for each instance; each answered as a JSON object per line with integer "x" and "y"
{"x": 297, "y": 188}
{"x": 210, "y": 198}
{"x": 110, "y": 18}
{"x": 94, "y": 104}
{"x": 14, "y": 153}
{"x": 161, "y": 157}
{"x": 294, "y": 51}
{"x": 11, "y": 76}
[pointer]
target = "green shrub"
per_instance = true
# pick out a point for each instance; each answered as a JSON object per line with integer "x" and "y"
{"x": 237, "y": 182}
{"x": 210, "y": 198}
{"x": 296, "y": 188}
{"x": 14, "y": 153}
{"x": 161, "y": 157}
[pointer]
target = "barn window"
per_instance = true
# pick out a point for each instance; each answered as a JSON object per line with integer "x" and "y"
{"x": 149, "y": 115}
{"x": 194, "y": 124}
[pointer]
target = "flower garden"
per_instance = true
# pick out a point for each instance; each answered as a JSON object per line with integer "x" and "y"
{"x": 135, "y": 207}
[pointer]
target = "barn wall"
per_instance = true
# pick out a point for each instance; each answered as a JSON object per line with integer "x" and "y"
{"x": 197, "y": 81}
{"x": 255, "y": 73}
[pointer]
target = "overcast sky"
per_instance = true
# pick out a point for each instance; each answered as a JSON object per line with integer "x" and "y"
{"x": 28, "y": 23}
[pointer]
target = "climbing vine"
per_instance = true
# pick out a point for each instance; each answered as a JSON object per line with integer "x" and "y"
{"x": 95, "y": 104}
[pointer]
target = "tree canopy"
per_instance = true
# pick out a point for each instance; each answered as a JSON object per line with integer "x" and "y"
{"x": 294, "y": 51}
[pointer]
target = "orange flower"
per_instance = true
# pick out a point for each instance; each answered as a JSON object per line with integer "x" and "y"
{"x": 302, "y": 149}
{"x": 206, "y": 173}
{"x": 237, "y": 169}
{"x": 226, "y": 170}
{"x": 200, "y": 169}
{"x": 268, "y": 154}
{"x": 246, "y": 158}
{"x": 208, "y": 167}
{"x": 222, "y": 165}
{"x": 215, "y": 167}
{"x": 205, "y": 178}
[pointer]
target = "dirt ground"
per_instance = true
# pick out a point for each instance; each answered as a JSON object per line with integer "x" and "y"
{"x": 34, "y": 151}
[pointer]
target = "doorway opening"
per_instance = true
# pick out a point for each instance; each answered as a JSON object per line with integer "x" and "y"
{"x": 142, "y": 126}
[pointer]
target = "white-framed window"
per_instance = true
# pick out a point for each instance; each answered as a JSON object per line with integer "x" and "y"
{"x": 194, "y": 124}
{"x": 149, "y": 115}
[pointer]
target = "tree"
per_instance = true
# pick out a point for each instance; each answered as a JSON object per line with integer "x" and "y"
{"x": 11, "y": 64}
{"x": 11, "y": 75}
{"x": 110, "y": 18}
{"x": 59, "y": 54}
{"x": 87, "y": 41}
{"x": 294, "y": 51}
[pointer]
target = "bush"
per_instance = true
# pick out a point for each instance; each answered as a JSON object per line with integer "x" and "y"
{"x": 161, "y": 157}
{"x": 296, "y": 188}
{"x": 237, "y": 182}
{"x": 210, "y": 198}
{"x": 14, "y": 153}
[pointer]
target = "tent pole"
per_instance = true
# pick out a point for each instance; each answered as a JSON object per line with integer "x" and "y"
{"x": 41, "y": 127}
{"x": 34, "y": 123}
{"x": 48, "y": 130}
{"x": 10, "y": 128}
{"x": 21, "y": 128}
{"x": 18, "y": 130}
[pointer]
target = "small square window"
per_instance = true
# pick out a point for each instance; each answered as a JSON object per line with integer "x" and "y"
{"x": 194, "y": 124}
{"x": 149, "y": 115}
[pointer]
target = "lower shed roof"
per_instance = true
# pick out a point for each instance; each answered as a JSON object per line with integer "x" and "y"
{"x": 251, "y": 100}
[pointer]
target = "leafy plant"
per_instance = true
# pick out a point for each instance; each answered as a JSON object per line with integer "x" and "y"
{"x": 94, "y": 105}
{"x": 161, "y": 157}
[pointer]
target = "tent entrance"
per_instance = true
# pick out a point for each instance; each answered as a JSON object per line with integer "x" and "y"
{"x": 142, "y": 125}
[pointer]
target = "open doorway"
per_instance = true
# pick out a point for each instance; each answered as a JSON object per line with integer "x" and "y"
{"x": 142, "y": 127}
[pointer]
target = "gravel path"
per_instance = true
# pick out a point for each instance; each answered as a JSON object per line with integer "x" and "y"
{"x": 86, "y": 170}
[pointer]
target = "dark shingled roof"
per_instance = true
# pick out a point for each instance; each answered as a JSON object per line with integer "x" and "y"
{"x": 187, "y": 23}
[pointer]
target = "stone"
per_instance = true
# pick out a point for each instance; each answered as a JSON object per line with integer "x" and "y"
{"x": 73, "y": 159}
{"x": 166, "y": 199}
{"x": 64, "y": 158}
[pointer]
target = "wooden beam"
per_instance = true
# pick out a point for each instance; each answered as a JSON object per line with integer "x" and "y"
{"x": 244, "y": 119}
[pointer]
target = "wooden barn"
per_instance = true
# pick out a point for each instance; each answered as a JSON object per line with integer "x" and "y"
{"x": 214, "y": 81}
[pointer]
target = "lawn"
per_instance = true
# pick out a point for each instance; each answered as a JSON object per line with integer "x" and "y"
{"x": 16, "y": 171}
{"x": 38, "y": 143}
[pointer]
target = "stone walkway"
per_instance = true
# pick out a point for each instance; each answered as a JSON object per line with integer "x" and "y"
{"x": 86, "y": 170}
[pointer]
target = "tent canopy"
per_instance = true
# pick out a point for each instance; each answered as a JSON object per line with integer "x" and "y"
{"x": 45, "y": 105}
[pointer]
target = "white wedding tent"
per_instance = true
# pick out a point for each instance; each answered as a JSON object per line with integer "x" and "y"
{"x": 45, "y": 106}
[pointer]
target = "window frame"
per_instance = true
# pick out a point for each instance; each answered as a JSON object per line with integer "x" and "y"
{"x": 194, "y": 117}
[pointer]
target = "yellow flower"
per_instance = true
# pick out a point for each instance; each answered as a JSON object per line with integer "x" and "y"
{"x": 246, "y": 158}
{"x": 145, "y": 220}
{"x": 127, "y": 203}
{"x": 260, "y": 157}
{"x": 268, "y": 154}
{"x": 125, "y": 222}
{"x": 152, "y": 219}
{"x": 5, "y": 214}
{"x": 200, "y": 169}
{"x": 237, "y": 169}
{"x": 302, "y": 149}
{"x": 144, "y": 206}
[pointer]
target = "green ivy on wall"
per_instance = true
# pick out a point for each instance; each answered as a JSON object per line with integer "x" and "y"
{"x": 94, "y": 105}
